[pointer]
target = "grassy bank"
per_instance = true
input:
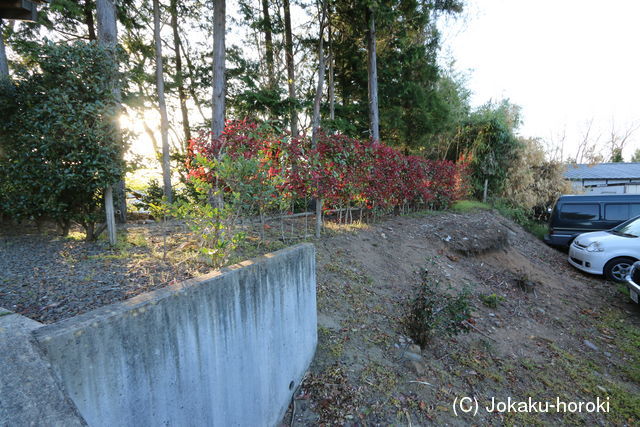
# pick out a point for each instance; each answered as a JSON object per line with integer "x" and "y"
{"x": 518, "y": 215}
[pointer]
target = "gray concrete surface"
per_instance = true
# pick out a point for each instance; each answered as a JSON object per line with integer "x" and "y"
{"x": 29, "y": 393}
{"x": 225, "y": 349}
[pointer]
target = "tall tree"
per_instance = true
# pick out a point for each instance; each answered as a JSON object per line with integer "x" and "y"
{"x": 331, "y": 89}
{"x": 268, "y": 43}
{"x": 164, "y": 120}
{"x": 410, "y": 107}
{"x": 618, "y": 140}
{"x": 4, "y": 66}
{"x": 291, "y": 79}
{"x": 253, "y": 84}
{"x": 315, "y": 127}
{"x": 88, "y": 19}
{"x": 192, "y": 74}
{"x": 218, "y": 86}
{"x": 173, "y": 7}
{"x": 218, "y": 96}
{"x": 372, "y": 66}
{"x": 108, "y": 37}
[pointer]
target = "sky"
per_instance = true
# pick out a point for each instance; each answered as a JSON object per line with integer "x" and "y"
{"x": 566, "y": 63}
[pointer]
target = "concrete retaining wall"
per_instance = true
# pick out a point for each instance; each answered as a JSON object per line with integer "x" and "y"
{"x": 29, "y": 392}
{"x": 224, "y": 349}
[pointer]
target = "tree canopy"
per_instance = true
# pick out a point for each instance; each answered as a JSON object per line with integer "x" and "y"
{"x": 290, "y": 63}
{"x": 57, "y": 145}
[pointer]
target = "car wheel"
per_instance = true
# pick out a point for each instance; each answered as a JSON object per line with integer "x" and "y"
{"x": 618, "y": 268}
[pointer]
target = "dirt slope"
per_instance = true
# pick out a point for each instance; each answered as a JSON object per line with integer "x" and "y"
{"x": 554, "y": 332}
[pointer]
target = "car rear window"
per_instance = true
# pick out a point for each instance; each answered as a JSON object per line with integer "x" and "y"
{"x": 621, "y": 211}
{"x": 616, "y": 212}
{"x": 580, "y": 211}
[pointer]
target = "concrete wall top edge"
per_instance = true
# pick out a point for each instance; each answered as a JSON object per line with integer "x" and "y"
{"x": 29, "y": 392}
{"x": 14, "y": 323}
{"x": 152, "y": 297}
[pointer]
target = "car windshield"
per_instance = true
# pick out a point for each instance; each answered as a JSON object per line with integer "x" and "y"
{"x": 630, "y": 228}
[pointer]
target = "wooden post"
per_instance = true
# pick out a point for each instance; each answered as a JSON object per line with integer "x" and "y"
{"x": 484, "y": 193}
{"x": 318, "y": 217}
{"x": 111, "y": 219}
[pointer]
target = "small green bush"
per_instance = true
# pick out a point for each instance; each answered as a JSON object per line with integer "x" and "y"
{"x": 522, "y": 217}
{"x": 491, "y": 300}
{"x": 151, "y": 195}
{"x": 434, "y": 312}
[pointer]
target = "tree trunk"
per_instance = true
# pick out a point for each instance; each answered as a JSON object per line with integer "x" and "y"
{"x": 331, "y": 94}
{"x": 372, "y": 66}
{"x": 108, "y": 37}
{"x": 65, "y": 226}
{"x": 288, "y": 47}
{"x": 164, "y": 121}
{"x": 89, "y": 228}
{"x": 320, "y": 88}
{"x": 88, "y": 19}
{"x": 154, "y": 140}
{"x": 191, "y": 73}
{"x": 316, "y": 110}
{"x": 218, "y": 101}
{"x": 4, "y": 65}
{"x": 268, "y": 43}
{"x": 179, "y": 76}
{"x": 218, "y": 96}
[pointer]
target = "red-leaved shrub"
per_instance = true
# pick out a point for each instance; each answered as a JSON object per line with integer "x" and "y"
{"x": 342, "y": 171}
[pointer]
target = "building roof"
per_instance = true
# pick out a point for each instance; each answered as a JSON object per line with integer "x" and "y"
{"x": 603, "y": 171}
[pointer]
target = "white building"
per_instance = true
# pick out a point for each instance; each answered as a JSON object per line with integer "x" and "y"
{"x": 605, "y": 178}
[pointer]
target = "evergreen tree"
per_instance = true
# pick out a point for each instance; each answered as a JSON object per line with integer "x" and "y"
{"x": 411, "y": 108}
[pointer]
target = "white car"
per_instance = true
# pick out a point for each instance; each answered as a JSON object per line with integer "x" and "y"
{"x": 610, "y": 252}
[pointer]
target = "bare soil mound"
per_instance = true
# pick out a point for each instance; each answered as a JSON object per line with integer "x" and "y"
{"x": 538, "y": 328}
{"x": 473, "y": 235}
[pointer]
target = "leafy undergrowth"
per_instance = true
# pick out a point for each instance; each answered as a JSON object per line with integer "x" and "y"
{"x": 518, "y": 215}
{"x": 436, "y": 313}
{"x": 466, "y": 206}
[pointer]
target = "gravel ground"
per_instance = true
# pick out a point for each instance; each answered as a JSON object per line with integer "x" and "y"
{"x": 48, "y": 278}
